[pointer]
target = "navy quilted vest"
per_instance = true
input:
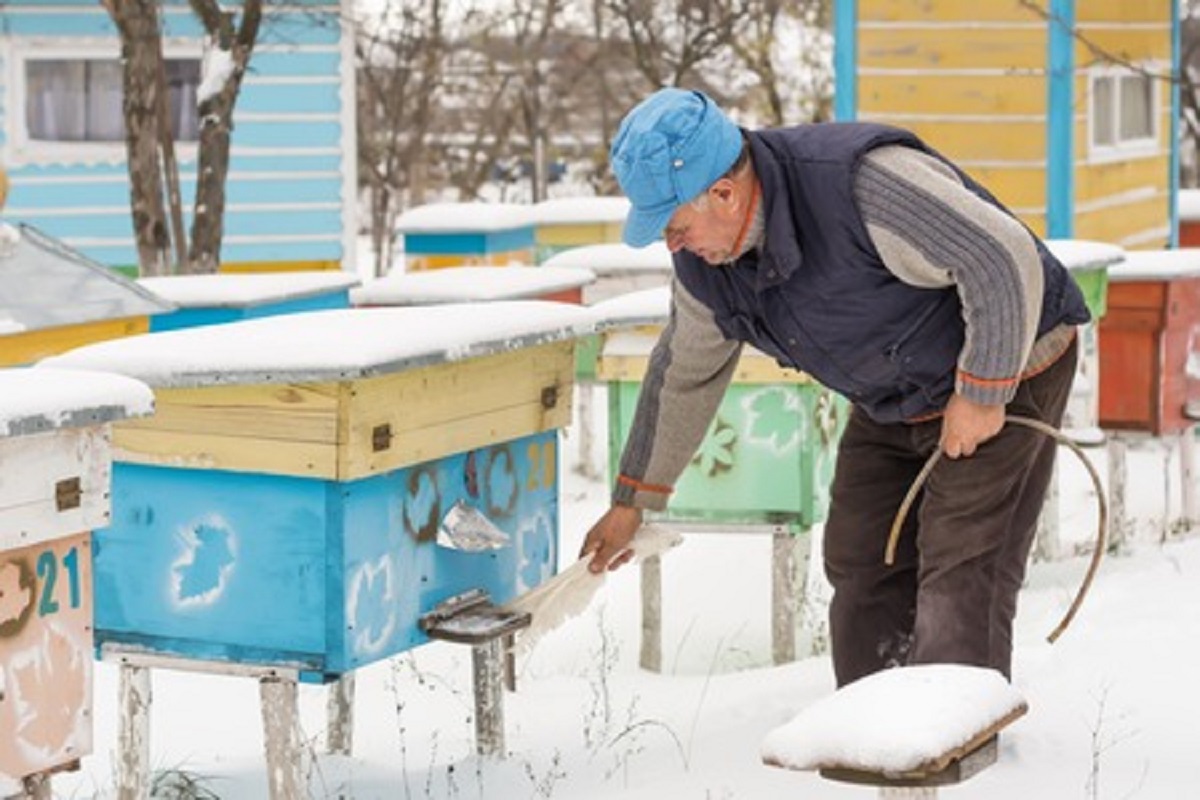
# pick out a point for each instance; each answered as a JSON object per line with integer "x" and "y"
{"x": 819, "y": 298}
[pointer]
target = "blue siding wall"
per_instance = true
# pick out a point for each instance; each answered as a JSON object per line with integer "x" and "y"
{"x": 290, "y": 163}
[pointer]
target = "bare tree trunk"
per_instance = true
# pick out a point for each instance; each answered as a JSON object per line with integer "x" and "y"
{"x": 216, "y": 126}
{"x": 166, "y": 140}
{"x": 137, "y": 23}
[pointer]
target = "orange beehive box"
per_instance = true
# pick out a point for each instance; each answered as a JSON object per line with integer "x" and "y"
{"x": 1148, "y": 336}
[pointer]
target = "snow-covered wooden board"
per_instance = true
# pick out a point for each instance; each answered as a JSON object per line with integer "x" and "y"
{"x": 898, "y": 727}
{"x": 468, "y": 285}
{"x": 241, "y": 290}
{"x": 337, "y": 345}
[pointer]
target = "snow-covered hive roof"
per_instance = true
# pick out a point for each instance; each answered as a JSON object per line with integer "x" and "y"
{"x": 579, "y": 210}
{"x": 1157, "y": 265}
{"x": 1082, "y": 254}
{"x": 45, "y": 284}
{"x": 39, "y": 400}
{"x": 242, "y": 290}
{"x": 465, "y": 217}
{"x": 608, "y": 259}
{"x": 342, "y": 344}
{"x": 468, "y": 284}
{"x": 643, "y": 307}
{"x": 1189, "y": 205}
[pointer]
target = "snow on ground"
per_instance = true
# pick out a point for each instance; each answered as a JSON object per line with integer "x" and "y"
{"x": 1113, "y": 705}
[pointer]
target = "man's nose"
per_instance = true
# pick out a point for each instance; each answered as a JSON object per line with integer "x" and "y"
{"x": 674, "y": 242}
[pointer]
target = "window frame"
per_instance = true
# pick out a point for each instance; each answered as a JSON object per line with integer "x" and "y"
{"x": 21, "y": 149}
{"x": 1123, "y": 148}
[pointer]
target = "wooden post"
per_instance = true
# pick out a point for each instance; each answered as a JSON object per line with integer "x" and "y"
{"x": 1047, "y": 545}
{"x": 1187, "y": 475}
{"x": 651, "y": 655}
{"x": 487, "y": 661}
{"x": 587, "y": 433}
{"x": 278, "y": 698}
{"x": 340, "y": 712}
{"x": 789, "y": 572}
{"x": 1118, "y": 528}
{"x": 133, "y": 735}
{"x": 510, "y": 663}
{"x": 36, "y": 787}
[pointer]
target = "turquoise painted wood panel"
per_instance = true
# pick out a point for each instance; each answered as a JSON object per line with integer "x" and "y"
{"x": 214, "y": 565}
{"x": 196, "y": 317}
{"x": 274, "y": 63}
{"x": 393, "y": 571}
{"x": 767, "y": 458}
{"x": 244, "y": 223}
{"x": 310, "y": 133}
{"x": 100, "y": 195}
{"x": 468, "y": 243}
{"x": 322, "y": 575}
{"x": 300, "y": 40}
{"x": 300, "y": 29}
{"x": 279, "y": 250}
{"x": 312, "y": 98}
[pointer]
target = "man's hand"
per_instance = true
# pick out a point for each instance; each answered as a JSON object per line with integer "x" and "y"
{"x": 967, "y": 424}
{"x": 608, "y": 540}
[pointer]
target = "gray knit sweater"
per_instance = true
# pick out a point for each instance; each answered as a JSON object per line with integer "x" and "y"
{"x": 985, "y": 254}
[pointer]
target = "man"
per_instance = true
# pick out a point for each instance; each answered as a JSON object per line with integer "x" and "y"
{"x": 855, "y": 253}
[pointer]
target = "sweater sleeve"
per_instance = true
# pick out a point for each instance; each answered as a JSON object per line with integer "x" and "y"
{"x": 690, "y": 368}
{"x": 932, "y": 231}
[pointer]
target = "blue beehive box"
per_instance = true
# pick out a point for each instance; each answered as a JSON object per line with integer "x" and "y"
{"x": 467, "y": 234}
{"x": 229, "y": 297}
{"x": 290, "y": 503}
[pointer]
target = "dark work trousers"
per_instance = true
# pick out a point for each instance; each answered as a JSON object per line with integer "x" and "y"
{"x": 951, "y": 595}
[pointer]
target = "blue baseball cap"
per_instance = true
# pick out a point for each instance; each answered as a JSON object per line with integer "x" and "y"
{"x": 670, "y": 148}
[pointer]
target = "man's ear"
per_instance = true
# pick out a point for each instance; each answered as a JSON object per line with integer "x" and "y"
{"x": 722, "y": 191}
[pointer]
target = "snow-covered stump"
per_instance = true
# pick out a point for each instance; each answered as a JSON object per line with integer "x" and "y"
{"x": 903, "y": 729}
{"x": 339, "y": 738}
{"x": 281, "y": 737}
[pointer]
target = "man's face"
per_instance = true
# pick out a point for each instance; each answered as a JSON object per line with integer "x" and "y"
{"x": 707, "y": 227}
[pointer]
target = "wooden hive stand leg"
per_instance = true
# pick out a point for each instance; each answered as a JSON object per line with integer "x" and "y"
{"x": 1187, "y": 465}
{"x": 487, "y": 661}
{"x": 133, "y": 735}
{"x": 908, "y": 793}
{"x": 36, "y": 787}
{"x": 650, "y": 658}
{"x": 280, "y": 735}
{"x": 1118, "y": 523}
{"x": 790, "y": 555}
{"x": 339, "y": 736}
{"x": 1047, "y": 544}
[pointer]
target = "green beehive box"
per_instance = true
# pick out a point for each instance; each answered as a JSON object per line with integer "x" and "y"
{"x": 767, "y": 459}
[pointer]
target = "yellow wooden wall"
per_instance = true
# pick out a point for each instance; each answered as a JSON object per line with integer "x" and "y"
{"x": 1124, "y": 200}
{"x": 970, "y": 78}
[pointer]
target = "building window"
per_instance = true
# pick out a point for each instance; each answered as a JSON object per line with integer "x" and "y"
{"x": 1124, "y": 112}
{"x": 79, "y": 100}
